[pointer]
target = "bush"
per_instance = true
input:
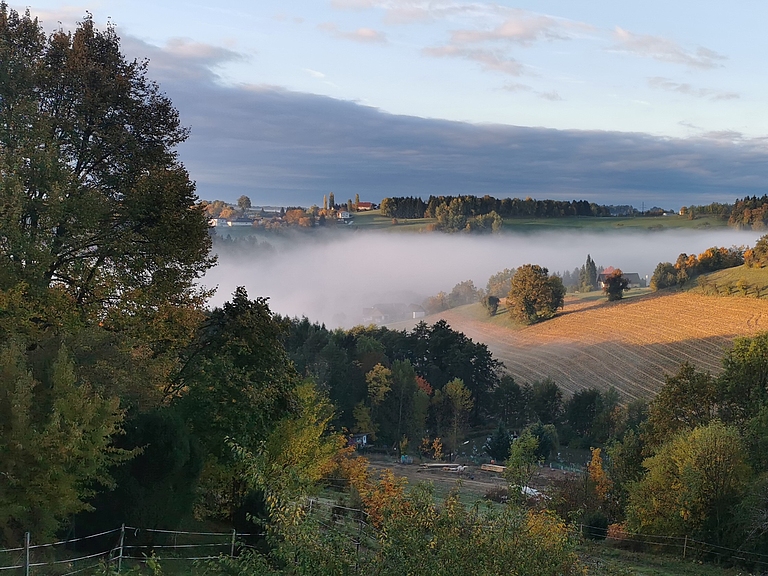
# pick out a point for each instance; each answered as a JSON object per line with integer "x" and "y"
{"x": 595, "y": 525}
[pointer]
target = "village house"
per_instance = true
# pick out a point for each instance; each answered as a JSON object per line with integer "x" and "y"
{"x": 633, "y": 277}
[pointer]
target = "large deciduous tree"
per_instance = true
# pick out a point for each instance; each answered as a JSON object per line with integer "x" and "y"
{"x": 534, "y": 295}
{"x": 93, "y": 198}
{"x": 692, "y": 484}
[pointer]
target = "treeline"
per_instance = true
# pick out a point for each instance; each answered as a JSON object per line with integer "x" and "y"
{"x": 471, "y": 206}
{"x": 695, "y": 463}
{"x": 394, "y": 384}
{"x": 750, "y": 212}
{"x": 688, "y": 267}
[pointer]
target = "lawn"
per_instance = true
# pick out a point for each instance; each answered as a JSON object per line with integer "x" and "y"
{"x": 374, "y": 221}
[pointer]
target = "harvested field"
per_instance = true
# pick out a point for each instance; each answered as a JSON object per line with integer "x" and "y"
{"x": 630, "y": 345}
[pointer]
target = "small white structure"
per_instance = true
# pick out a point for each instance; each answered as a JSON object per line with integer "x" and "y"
{"x": 240, "y": 222}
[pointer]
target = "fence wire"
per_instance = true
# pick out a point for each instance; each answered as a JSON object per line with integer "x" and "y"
{"x": 350, "y": 525}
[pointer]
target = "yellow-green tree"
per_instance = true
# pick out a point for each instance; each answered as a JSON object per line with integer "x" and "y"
{"x": 55, "y": 439}
{"x": 460, "y": 403}
{"x": 534, "y": 295}
{"x": 691, "y": 485}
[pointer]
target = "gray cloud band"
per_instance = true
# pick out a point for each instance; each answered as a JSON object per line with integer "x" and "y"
{"x": 291, "y": 148}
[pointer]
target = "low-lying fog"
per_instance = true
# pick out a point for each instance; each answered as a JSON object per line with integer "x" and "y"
{"x": 331, "y": 278}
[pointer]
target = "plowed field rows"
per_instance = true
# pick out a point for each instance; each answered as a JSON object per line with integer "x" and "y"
{"x": 629, "y": 345}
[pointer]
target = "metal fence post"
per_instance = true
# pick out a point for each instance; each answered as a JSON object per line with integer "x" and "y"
{"x": 685, "y": 545}
{"x": 122, "y": 543}
{"x": 232, "y": 546}
{"x": 26, "y": 553}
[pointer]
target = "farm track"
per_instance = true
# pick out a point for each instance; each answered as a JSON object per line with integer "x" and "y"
{"x": 630, "y": 345}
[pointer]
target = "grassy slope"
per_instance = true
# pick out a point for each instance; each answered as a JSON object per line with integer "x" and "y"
{"x": 606, "y": 559}
{"x": 737, "y": 281}
{"x": 374, "y": 221}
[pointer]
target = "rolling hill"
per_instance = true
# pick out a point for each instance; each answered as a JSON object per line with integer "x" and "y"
{"x": 630, "y": 345}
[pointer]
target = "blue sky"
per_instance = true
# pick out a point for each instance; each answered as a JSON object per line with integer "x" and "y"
{"x": 615, "y": 102}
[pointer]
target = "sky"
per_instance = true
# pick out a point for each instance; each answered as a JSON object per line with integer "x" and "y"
{"x": 659, "y": 103}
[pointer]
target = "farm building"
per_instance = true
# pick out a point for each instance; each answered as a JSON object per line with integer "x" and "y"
{"x": 634, "y": 280}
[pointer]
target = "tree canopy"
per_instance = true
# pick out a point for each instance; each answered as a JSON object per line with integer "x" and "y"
{"x": 93, "y": 198}
{"x": 534, "y": 295}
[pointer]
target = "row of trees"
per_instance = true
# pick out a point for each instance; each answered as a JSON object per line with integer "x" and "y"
{"x": 688, "y": 267}
{"x": 471, "y": 206}
{"x": 431, "y": 381}
{"x": 750, "y": 212}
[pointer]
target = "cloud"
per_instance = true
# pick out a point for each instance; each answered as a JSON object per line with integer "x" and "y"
{"x": 517, "y": 87}
{"x": 662, "y": 83}
{"x": 488, "y": 59}
{"x": 665, "y": 50}
{"x": 521, "y": 27}
{"x": 314, "y": 73}
{"x": 288, "y": 148}
{"x": 552, "y": 96}
{"x": 364, "y": 35}
{"x": 181, "y": 59}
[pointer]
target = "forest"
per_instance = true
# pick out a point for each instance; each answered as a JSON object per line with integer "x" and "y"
{"x": 124, "y": 398}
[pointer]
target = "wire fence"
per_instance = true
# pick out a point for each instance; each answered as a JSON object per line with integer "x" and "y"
{"x": 114, "y": 547}
{"x": 129, "y": 544}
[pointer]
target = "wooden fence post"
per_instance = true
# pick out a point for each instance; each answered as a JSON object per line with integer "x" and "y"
{"x": 232, "y": 545}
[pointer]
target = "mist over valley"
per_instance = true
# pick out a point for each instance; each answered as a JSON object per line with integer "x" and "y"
{"x": 330, "y": 278}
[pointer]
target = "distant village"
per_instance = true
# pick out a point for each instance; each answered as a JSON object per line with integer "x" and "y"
{"x": 243, "y": 214}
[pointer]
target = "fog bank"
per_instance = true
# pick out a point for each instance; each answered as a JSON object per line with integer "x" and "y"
{"x": 330, "y": 279}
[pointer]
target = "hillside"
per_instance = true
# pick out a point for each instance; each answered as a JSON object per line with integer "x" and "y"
{"x": 630, "y": 344}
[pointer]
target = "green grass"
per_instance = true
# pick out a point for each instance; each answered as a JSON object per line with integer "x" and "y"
{"x": 603, "y": 558}
{"x": 738, "y": 281}
{"x": 374, "y": 221}
{"x": 614, "y": 223}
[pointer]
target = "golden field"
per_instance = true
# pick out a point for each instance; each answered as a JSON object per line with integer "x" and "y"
{"x": 630, "y": 345}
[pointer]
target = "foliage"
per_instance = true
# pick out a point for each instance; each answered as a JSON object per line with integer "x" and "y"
{"x": 687, "y": 400}
{"x": 56, "y": 443}
{"x": 499, "y": 444}
{"x": 687, "y": 267}
{"x": 692, "y": 484}
{"x": 453, "y": 540}
{"x": 744, "y": 381}
{"x": 547, "y": 437}
{"x": 757, "y": 257}
{"x": 463, "y": 293}
{"x": 523, "y": 461}
{"x": 750, "y": 213}
{"x": 93, "y": 198}
{"x": 237, "y": 376}
{"x": 297, "y": 453}
{"x": 598, "y": 476}
{"x": 588, "y": 275}
{"x": 534, "y": 296}
{"x": 512, "y": 402}
{"x": 500, "y": 283}
{"x": 157, "y": 487}
{"x": 664, "y": 276}
{"x": 459, "y": 404}
{"x": 379, "y": 381}
{"x": 546, "y": 401}
{"x": 491, "y": 304}
{"x": 615, "y": 285}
